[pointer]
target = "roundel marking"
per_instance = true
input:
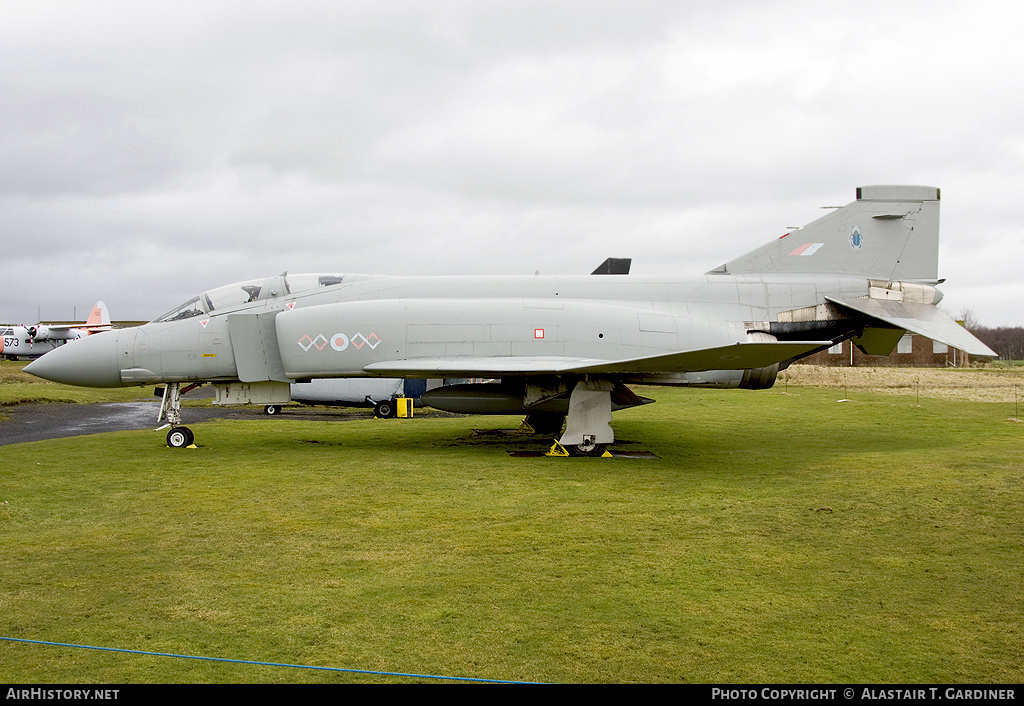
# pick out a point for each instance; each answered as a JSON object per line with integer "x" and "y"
{"x": 339, "y": 342}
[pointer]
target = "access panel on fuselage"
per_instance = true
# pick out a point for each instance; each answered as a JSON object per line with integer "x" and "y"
{"x": 254, "y": 343}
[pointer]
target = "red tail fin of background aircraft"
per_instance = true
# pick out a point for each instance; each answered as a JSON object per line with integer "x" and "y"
{"x": 99, "y": 318}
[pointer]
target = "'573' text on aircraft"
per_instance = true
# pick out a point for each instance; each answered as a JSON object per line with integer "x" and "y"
{"x": 560, "y": 347}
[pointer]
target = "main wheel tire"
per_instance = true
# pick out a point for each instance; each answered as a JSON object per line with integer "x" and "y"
{"x": 272, "y": 409}
{"x": 180, "y": 437}
{"x": 384, "y": 409}
{"x": 587, "y": 448}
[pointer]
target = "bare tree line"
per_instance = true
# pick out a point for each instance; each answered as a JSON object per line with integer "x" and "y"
{"x": 1007, "y": 341}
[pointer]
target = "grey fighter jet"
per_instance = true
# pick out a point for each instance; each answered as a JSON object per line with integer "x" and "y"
{"x": 561, "y": 347}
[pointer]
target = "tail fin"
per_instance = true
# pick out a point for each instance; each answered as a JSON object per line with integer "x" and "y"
{"x": 99, "y": 316}
{"x": 889, "y": 233}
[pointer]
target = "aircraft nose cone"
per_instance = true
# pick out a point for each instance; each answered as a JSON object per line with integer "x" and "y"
{"x": 89, "y": 362}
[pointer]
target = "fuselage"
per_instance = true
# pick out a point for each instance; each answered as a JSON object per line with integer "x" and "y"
{"x": 300, "y": 326}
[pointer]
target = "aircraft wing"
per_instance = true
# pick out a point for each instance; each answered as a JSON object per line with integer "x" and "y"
{"x": 738, "y": 356}
{"x": 478, "y": 367}
{"x": 923, "y": 319}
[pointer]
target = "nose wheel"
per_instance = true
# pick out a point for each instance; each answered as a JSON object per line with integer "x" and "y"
{"x": 180, "y": 437}
{"x": 170, "y": 409}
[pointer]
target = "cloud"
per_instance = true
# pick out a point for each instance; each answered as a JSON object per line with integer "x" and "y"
{"x": 203, "y": 143}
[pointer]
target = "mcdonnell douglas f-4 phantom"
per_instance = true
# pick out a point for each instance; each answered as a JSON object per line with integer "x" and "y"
{"x": 561, "y": 347}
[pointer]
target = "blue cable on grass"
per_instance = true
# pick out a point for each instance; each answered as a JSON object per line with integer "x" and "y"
{"x": 262, "y": 664}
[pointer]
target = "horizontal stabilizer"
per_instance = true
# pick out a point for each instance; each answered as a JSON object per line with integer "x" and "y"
{"x": 738, "y": 356}
{"x": 923, "y": 319}
{"x": 99, "y": 320}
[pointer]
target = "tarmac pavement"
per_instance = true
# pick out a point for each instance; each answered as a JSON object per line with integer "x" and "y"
{"x": 36, "y": 422}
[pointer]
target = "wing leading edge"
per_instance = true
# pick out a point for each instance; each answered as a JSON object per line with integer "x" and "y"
{"x": 738, "y": 356}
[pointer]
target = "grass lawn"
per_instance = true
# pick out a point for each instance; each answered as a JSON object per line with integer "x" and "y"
{"x": 17, "y": 387}
{"x": 782, "y": 536}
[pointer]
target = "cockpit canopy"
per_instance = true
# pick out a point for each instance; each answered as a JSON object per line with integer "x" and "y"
{"x": 234, "y": 296}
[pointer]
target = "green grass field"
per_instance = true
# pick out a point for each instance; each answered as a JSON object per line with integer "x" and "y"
{"x": 17, "y": 387}
{"x": 782, "y": 536}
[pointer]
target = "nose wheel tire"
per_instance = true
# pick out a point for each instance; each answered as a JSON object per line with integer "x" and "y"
{"x": 180, "y": 437}
{"x": 384, "y": 410}
{"x": 272, "y": 409}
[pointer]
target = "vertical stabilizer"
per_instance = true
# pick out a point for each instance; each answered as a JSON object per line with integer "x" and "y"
{"x": 888, "y": 233}
{"x": 99, "y": 316}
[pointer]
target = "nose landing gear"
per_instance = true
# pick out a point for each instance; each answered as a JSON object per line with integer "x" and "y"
{"x": 178, "y": 437}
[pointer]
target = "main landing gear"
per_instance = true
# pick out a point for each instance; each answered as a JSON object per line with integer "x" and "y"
{"x": 178, "y": 437}
{"x": 588, "y": 429}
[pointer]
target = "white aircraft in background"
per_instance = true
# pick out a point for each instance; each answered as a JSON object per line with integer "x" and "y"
{"x": 379, "y": 393}
{"x": 33, "y": 341}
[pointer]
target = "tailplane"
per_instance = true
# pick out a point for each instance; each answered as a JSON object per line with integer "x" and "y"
{"x": 889, "y": 233}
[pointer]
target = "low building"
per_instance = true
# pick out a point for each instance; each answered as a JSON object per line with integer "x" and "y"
{"x": 912, "y": 351}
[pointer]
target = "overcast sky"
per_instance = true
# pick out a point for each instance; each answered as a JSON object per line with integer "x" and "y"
{"x": 152, "y": 150}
